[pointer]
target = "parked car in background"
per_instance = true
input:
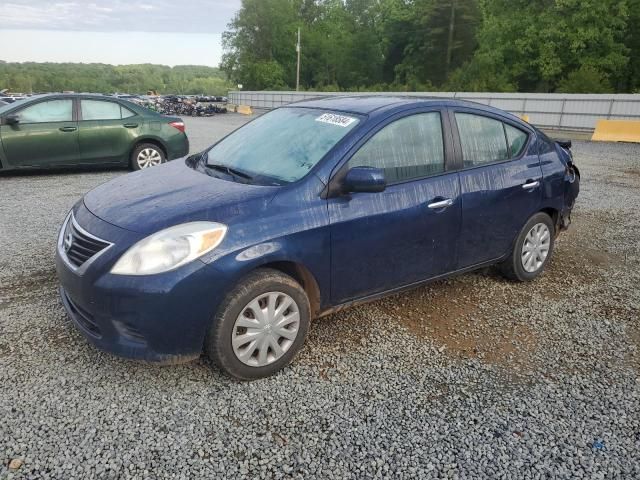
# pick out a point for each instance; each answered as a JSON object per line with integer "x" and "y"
{"x": 62, "y": 130}
{"x": 305, "y": 210}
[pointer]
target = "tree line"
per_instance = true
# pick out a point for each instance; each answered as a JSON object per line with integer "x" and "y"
{"x": 581, "y": 46}
{"x": 101, "y": 78}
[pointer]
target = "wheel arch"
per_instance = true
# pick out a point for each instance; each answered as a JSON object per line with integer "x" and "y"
{"x": 155, "y": 141}
{"x": 303, "y": 276}
{"x": 555, "y": 217}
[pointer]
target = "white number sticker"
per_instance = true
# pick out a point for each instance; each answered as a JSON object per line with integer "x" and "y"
{"x": 333, "y": 119}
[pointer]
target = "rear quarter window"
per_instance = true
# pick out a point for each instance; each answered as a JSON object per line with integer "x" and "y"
{"x": 516, "y": 140}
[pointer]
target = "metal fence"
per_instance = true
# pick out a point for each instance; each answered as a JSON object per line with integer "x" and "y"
{"x": 546, "y": 110}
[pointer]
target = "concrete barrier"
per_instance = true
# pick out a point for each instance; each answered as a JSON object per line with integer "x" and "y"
{"x": 244, "y": 110}
{"x": 617, "y": 131}
{"x": 557, "y": 111}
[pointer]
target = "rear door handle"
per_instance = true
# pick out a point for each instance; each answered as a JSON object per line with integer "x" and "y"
{"x": 441, "y": 204}
{"x": 68, "y": 129}
{"x": 529, "y": 185}
{"x": 130, "y": 125}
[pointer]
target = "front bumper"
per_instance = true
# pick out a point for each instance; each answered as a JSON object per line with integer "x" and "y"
{"x": 157, "y": 318}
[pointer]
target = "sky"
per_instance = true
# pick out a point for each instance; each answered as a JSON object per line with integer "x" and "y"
{"x": 185, "y": 32}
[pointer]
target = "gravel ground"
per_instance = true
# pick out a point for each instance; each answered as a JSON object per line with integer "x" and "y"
{"x": 471, "y": 378}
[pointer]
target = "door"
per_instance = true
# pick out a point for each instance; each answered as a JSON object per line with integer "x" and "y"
{"x": 500, "y": 184}
{"x": 407, "y": 233}
{"x": 107, "y": 131}
{"x": 46, "y": 134}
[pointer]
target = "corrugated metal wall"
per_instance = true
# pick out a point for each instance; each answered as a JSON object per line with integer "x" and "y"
{"x": 548, "y": 110}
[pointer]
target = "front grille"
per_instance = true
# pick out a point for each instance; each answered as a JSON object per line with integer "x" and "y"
{"x": 79, "y": 245}
{"x": 82, "y": 317}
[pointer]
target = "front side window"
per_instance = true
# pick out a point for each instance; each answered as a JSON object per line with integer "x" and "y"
{"x": 283, "y": 144}
{"x": 99, "y": 110}
{"x": 409, "y": 148}
{"x": 49, "y": 111}
{"x": 482, "y": 138}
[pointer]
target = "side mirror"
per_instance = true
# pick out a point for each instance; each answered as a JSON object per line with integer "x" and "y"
{"x": 364, "y": 179}
{"x": 12, "y": 119}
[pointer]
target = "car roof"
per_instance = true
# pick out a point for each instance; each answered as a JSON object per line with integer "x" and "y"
{"x": 368, "y": 104}
{"x": 89, "y": 96}
{"x": 74, "y": 95}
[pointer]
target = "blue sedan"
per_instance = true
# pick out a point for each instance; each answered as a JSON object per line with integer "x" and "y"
{"x": 305, "y": 210}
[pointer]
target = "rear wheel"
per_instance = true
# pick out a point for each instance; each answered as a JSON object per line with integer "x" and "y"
{"x": 260, "y": 326}
{"x": 532, "y": 249}
{"x": 147, "y": 155}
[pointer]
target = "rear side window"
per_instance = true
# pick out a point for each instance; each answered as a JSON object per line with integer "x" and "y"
{"x": 409, "y": 148}
{"x": 49, "y": 111}
{"x": 125, "y": 112}
{"x": 99, "y": 110}
{"x": 516, "y": 140}
{"x": 482, "y": 138}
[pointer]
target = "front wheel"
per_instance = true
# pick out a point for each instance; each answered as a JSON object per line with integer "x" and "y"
{"x": 532, "y": 249}
{"x": 260, "y": 326}
{"x": 147, "y": 155}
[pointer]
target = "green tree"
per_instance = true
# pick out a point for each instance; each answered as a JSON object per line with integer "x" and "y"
{"x": 100, "y": 78}
{"x": 532, "y": 46}
{"x": 427, "y": 39}
{"x": 586, "y": 79}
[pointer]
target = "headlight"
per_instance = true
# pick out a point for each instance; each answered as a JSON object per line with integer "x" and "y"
{"x": 170, "y": 248}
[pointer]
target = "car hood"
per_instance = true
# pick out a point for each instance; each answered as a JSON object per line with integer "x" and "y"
{"x": 170, "y": 194}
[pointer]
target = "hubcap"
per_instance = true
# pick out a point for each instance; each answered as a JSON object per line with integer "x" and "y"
{"x": 149, "y": 157}
{"x": 265, "y": 329}
{"x": 536, "y": 247}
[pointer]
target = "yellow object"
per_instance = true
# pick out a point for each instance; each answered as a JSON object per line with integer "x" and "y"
{"x": 617, "y": 131}
{"x": 244, "y": 109}
{"x": 525, "y": 117}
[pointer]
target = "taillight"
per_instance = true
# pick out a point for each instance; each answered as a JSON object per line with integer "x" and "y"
{"x": 178, "y": 125}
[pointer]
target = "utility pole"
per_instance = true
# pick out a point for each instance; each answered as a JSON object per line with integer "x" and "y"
{"x": 298, "y": 71}
{"x": 452, "y": 24}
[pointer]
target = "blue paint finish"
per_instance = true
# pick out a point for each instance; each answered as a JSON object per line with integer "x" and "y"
{"x": 354, "y": 245}
{"x": 495, "y": 207}
{"x": 384, "y": 240}
{"x": 557, "y": 191}
{"x": 150, "y": 200}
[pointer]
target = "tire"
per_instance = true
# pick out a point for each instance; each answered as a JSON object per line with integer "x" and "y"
{"x": 237, "y": 320}
{"x": 523, "y": 268}
{"x": 152, "y": 152}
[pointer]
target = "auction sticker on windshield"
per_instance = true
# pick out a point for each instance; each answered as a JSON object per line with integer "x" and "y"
{"x": 333, "y": 119}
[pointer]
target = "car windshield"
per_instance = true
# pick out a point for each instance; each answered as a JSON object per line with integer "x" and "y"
{"x": 282, "y": 145}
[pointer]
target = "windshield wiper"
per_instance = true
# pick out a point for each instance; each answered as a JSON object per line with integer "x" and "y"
{"x": 234, "y": 172}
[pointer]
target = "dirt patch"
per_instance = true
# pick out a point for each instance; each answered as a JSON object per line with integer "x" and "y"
{"x": 465, "y": 319}
{"x": 473, "y": 316}
{"x": 26, "y": 286}
{"x": 633, "y": 172}
{"x": 629, "y": 178}
{"x": 576, "y": 258}
{"x": 633, "y": 332}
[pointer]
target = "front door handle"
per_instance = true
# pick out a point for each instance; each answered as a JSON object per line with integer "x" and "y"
{"x": 130, "y": 125}
{"x": 441, "y": 204}
{"x": 531, "y": 184}
{"x": 68, "y": 129}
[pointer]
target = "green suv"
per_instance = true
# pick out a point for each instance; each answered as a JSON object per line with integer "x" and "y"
{"x": 59, "y": 130}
